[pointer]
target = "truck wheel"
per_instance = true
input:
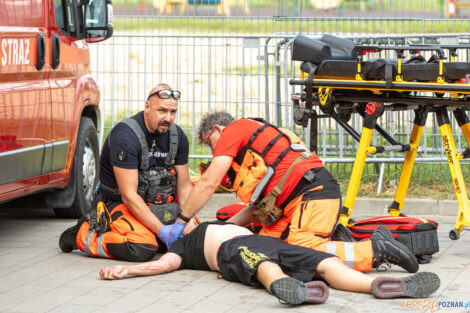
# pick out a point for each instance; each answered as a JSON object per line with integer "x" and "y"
{"x": 84, "y": 171}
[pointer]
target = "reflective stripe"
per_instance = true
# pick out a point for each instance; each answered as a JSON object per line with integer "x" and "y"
{"x": 100, "y": 249}
{"x": 86, "y": 246}
{"x": 349, "y": 254}
{"x": 330, "y": 247}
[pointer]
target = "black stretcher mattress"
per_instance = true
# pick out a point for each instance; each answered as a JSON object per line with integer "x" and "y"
{"x": 334, "y": 57}
{"x": 375, "y": 69}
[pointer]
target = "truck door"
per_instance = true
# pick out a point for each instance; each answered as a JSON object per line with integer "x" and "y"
{"x": 70, "y": 61}
{"x": 24, "y": 93}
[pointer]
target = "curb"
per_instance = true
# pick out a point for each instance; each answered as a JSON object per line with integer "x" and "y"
{"x": 362, "y": 206}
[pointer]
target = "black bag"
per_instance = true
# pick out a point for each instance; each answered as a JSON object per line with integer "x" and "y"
{"x": 419, "y": 235}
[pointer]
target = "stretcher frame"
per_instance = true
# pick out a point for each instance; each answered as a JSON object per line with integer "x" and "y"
{"x": 338, "y": 98}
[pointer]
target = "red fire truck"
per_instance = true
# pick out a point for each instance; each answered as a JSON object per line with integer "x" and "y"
{"x": 50, "y": 119}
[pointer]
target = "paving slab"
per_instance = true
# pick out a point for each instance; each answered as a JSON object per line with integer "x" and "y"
{"x": 35, "y": 276}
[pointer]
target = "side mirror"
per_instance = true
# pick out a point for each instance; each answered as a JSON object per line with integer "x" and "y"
{"x": 98, "y": 20}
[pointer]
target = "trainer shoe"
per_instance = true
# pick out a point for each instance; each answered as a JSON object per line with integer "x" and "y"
{"x": 419, "y": 286}
{"x": 388, "y": 250}
{"x": 292, "y": 291}
{"x": 68, "y": 239}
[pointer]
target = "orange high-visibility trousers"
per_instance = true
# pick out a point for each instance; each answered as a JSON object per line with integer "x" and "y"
{"x": 128, "y": 239}
{"x": 310, "y": 221}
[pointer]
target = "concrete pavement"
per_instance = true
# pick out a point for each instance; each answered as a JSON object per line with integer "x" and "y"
{"x": 35, "y": 276}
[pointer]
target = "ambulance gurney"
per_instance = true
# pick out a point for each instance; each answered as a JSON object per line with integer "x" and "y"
{"x": 342, "y": 78}
{"x": 339, "y": 63}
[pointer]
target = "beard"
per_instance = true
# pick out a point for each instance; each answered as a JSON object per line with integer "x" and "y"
{"x": 163, "y": 124}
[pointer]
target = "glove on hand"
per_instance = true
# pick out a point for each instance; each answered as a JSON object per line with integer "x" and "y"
{"x": 171, "y": 233}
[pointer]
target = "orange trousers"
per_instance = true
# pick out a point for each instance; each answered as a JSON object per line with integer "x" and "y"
{"x": 310, "y": 223}
{"x": 128, "y": 239}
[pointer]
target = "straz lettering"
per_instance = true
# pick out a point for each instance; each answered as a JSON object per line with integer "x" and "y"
{"x": 450, "y": 159}
{"x": 421, "y": 305}
{"x": 14, "y": 51}
{"x": 251, "y": 258}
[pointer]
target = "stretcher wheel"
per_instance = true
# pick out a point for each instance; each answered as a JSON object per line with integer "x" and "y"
{"x": 454, "y": 234}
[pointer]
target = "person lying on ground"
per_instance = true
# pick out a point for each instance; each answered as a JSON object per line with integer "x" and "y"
{"x": 291, "y": 273}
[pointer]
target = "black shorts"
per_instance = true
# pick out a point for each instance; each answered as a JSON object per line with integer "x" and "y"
{"x": 239, "y": 258}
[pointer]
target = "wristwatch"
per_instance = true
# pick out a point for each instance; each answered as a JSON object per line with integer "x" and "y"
{"x": 184, "y": 218}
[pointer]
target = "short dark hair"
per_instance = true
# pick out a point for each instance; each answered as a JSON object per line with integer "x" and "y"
{"x": 211, "y": 119}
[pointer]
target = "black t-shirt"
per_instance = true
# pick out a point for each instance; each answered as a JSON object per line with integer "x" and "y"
{"x": 191, "y": 249}
{"x": 125, "y": 152}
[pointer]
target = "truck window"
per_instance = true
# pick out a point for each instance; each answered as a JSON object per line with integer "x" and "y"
{"x": 65, "y": 16}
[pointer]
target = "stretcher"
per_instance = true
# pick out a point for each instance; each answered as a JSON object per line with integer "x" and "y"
{"x": 337, "y": 78}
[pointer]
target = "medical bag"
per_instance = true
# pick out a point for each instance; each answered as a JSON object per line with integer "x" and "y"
{"x": 226, "y": 212}
{"x": 419, "y": 235}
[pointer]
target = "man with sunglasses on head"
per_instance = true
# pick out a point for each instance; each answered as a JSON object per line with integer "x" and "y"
{"x": 143, "y": 167}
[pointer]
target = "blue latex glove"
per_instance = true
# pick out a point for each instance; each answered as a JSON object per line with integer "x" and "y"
{"x": 171, "y": 233}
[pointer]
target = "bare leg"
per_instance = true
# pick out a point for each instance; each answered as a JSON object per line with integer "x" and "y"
{"x": 268, "y": 272}
{"x": 342, "y": 277}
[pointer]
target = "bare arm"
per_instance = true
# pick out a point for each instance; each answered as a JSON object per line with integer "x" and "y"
{"x": 184, "y": 185}
{"x": 206, "y": 186}
{"x": 127, "y": 181}
{"x": 244, "y": 217}
{"x": 168, "y": 262}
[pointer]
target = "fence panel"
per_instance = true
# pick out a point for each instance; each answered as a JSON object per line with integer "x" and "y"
{"x": 241, "y": 63}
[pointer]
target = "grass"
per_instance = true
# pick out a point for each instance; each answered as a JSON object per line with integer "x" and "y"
{"x": 428, "y": 180}
{"x": 270, "y": 25}
{"x": 429, "y": 5}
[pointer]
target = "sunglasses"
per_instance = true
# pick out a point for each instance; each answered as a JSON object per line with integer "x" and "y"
{"x": 166, "y": 94}
{"x": 209, "y": 136}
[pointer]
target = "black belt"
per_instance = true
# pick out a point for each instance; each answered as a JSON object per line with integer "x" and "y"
{"x": 114, "y": 191}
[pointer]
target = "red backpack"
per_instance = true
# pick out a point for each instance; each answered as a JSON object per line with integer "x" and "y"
{"x": 419, "y": 235}
{"x": 226, "y": 212}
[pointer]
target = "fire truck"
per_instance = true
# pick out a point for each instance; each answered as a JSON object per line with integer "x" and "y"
{"x": 50, "y": 121}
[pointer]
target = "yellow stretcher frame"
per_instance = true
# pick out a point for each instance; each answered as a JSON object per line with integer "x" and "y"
{"x": 325, "y": 89}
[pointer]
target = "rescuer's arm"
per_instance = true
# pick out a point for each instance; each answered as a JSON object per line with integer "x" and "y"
{"x": 244, "y": 217}
{"x": 127, "y": 180}
{"x": 201, "y": 193}
{"x": 206, "y": 186}
{"x": 184, "y": 185}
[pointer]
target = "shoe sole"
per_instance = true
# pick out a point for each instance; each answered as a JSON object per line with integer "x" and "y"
{"x": 420, "y": 285}
{"x": 293, "y": 291}
{"x": 387, "y": 234}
